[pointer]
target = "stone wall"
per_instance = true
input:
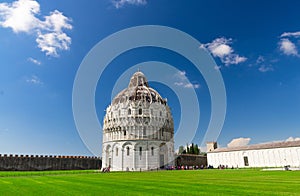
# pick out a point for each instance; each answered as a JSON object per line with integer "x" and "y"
{"x": 39, "y": 163}
{"x": 191, "y": 160}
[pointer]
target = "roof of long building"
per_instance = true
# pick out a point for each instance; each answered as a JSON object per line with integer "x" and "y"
{"x": 269, "y": 145}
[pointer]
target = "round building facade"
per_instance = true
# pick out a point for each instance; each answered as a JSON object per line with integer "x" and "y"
{"x": 138, "y": 129}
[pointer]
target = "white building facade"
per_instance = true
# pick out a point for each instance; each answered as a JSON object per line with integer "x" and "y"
{"x": 277, "y": 154}
{"x": 138, "y": 129}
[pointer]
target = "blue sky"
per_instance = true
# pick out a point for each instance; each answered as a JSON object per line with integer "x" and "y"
{"x": 255, "y": 45}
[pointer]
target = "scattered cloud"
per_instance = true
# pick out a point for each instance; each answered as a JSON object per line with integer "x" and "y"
{"x": 221, "y": 48}
{"x": 237, "y": 142}
{"x": 181, "y": 75}
{"x": 266, "y": 68}
{"x": 189, "y": 85}
{"x": 260, "y": 59}
{"x": 263, "y": 64}
{"x": 21, "y": 16}
{"x": 290, "y": 139}
{"x": 291, "y": 34}
{"x": 34, "y": 61}
{"x": 217, "y": 67}
{"x": 34, "y": 80}
{"x": 120, "y": 3}
{"x": 287, "y": 43}
{"x": 183, "y": 81}
{"x": 179, "y": 83}
{"x": 288, "y": 47}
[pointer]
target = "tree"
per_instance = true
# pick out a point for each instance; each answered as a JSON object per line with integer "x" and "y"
{"x": 197, "y": 151}
{"x": 181, "y": 149}
{"x": 192, "y": 149}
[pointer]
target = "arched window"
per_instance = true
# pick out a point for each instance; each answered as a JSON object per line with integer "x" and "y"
{"x": 141, "y": 150}
{"x": 124, "y": 131}
{"x": 127, "y": 150}
{"x": 129, "y": 111}
{"x": 117, "y": 151}
{"x": 144, "y": 131}
{"x": 152, "y": 151}
{"x": 140, "y": 111}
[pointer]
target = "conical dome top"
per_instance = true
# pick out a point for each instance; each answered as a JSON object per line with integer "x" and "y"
{"x": 138, "y": 90}
{"x": 138, "y": 79}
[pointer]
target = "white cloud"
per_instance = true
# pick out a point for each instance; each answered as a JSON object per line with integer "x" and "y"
{"x": 51, "y": 42}
{"x": 183, "y": 81}
{"x": 233, "y": 59}
{"x": 35, "y": 61}
{"x": 216, "y": 67}
{"x": 34, "y": 80}
{"x": 287, "y": 43}
{"x": 181, "y": 75}
{"x": 263, "y": 64}
{"x": 190, "y": 85}
{"x": 179, "y": 83}
{"x": 56, "y": 21}
{"x": 260, "y": 59}
{"x": 237, "y": 142}
{"x": 266, "y": 68}
{"x": 221, "y": 48}
{"x": 21, "y": 16}
{"x": 120, "y": 3}
{"x": 290, "y": 139}
{"x": 290, "y": 34}
{"x": 288, "y": 47}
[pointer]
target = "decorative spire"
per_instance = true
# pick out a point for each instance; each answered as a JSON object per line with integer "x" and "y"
{"x": 138, "y": 79}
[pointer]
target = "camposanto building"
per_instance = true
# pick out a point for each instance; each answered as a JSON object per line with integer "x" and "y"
{"x": 275, "y": 154}
{"x": 138, "y": 129}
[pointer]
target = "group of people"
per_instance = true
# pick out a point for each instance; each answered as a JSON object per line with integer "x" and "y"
{"x": 106, "y": 169}
{"x": 225, "y": 167}
{"x": 180, "y": 167}
{"x": 185, "y": 167}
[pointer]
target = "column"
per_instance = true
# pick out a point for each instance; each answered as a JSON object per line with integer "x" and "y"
{"x": 147, "y": 164}
{"x": 133, "y": 155}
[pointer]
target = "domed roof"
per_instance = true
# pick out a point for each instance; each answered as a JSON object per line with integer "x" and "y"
{"x": 138, "y": 89}
{"x": 138, "y": 79}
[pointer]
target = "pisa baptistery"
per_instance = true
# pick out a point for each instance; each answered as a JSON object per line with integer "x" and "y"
{"x": 138, "y": 129}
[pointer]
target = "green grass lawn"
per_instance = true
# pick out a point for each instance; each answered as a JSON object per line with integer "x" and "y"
{"x": 201, "y": 182}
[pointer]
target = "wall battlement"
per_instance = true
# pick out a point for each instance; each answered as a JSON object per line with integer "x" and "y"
{"x": 47, "y": 162}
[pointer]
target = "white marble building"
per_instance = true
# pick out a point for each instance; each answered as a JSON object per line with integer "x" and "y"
{"x": 138, "y": 129}
{"x": 276, "y": 154}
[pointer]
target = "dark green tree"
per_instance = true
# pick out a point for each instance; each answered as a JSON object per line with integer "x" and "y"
{"x": 187, "y": 149}
{"x": 181, "y": 149}
{"x": 192, "y": 149}
{"x": 197, "y": 151}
